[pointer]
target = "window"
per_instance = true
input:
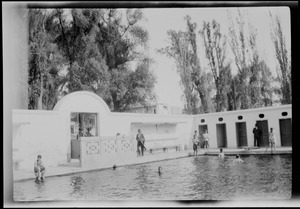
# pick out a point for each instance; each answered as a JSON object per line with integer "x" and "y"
{"x": 284, "y": 113}
{"x": 83, "y": 124}
{"x": 202, "y": 120}
{"x": 261, "y": 115}
{"x": 220, "y": 119}
{"x": 240, "y": 117}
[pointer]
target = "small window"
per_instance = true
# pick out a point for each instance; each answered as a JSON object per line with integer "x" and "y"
{"x": 240, "y": 117}
{"x": 202, "y": 120}
{"x": 261, "y": 115}
{"x": 220, "y": 119}
{"x": 284, "y": 113}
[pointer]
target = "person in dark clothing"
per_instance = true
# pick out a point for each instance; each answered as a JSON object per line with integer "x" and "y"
{"x": 256, "y": 133}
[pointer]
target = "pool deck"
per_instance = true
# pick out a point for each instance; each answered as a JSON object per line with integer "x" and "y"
{"x": 74, "y": 167}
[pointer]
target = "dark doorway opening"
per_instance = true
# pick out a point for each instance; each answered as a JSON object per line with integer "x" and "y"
{"x": 285, "y": 132}
{"x": 264, "y": 133}
{"x": 221, "y": 135}
{"x": 241, "y": 134}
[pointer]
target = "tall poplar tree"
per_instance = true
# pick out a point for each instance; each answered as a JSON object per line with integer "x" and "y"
{"x": 283, "y": 59}
{"x": 215, "y": 51}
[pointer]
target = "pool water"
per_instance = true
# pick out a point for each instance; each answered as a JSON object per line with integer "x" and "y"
{"x": 261, "y": 177}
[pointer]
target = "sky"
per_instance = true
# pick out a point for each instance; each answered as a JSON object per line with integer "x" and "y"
{"x": 159, "y": 20}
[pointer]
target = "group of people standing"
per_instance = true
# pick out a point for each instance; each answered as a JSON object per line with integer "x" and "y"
{"x": 197, "y": 141}
{"x": 256, "y": 131}
{"x": 205, "y": 138}
{"x": 257, "y": 137}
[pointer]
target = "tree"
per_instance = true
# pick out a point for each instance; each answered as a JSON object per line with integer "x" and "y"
{"x": 119, "y": 43}
{"x": 255, "y": 70}
{"x": 239, "y": 48}
{"x": 194, "y": 80}
{"x": 180, "y": 52}
{"x": 95, "y": 48}
{"x": 253, "y": 86}
{"x": 233, "y": 94}
{"x": 265, "y": 84}
{"x": 44, "y": 63}
{"x": 215, "y": 50}
{"x": 75, "y": 34}
{"x": 227, "y": 91}
{"x": 260, "y": 77}
{"x": 282, "y": 56}
{"x": 133, "y": 87}
{"x": 199, "y": 77}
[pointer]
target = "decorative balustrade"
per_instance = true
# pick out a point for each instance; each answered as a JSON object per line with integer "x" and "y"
{"x": 116, "y": 144}
{"x": 94, "y": 149}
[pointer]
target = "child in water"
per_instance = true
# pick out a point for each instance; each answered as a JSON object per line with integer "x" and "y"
{"x": 221, "y": 154}
{"x": 39, "y": 168}
{"x": 159, "y": 170}
{"x": 238, "y": 159}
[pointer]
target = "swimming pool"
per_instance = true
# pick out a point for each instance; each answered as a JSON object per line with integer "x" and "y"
{"x": 261, "y": 177}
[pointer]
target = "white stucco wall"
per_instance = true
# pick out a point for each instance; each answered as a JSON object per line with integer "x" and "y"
{"x": 271, "y": 114}
{"x": 48, "y": 132}
{"x": 38, "y": 132}
{"x": 128, "y": 124}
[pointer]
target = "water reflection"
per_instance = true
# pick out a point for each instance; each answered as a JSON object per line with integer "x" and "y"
{"x": 76, "y": 185}
{"x": 39, "y": 185}
{"x": 193, "y": 178}
{"x": 142, "y": 178}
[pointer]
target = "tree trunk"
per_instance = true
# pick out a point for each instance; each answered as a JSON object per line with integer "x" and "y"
{"x": 40, "y": 100}
{"x": 234, "y": 97}
{"x": 116, "y": 103}
{"x": 203, "y": 101}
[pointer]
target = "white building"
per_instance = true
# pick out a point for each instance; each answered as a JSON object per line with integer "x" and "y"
{"x": 82, "y": 127}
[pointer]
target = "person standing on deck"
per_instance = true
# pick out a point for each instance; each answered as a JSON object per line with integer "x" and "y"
{"x": 140, "y": 142}
{"x": 256, "y": 134}
{"x": 195, "y": 143}
{"x": 206, "y": 138}
{"x": 272, "y": 140}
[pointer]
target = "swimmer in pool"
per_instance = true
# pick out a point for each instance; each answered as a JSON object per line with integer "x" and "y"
{"x": 238, "y": 159}
{"x": 221, "y": 154}
{"x": 159, "y": 170}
